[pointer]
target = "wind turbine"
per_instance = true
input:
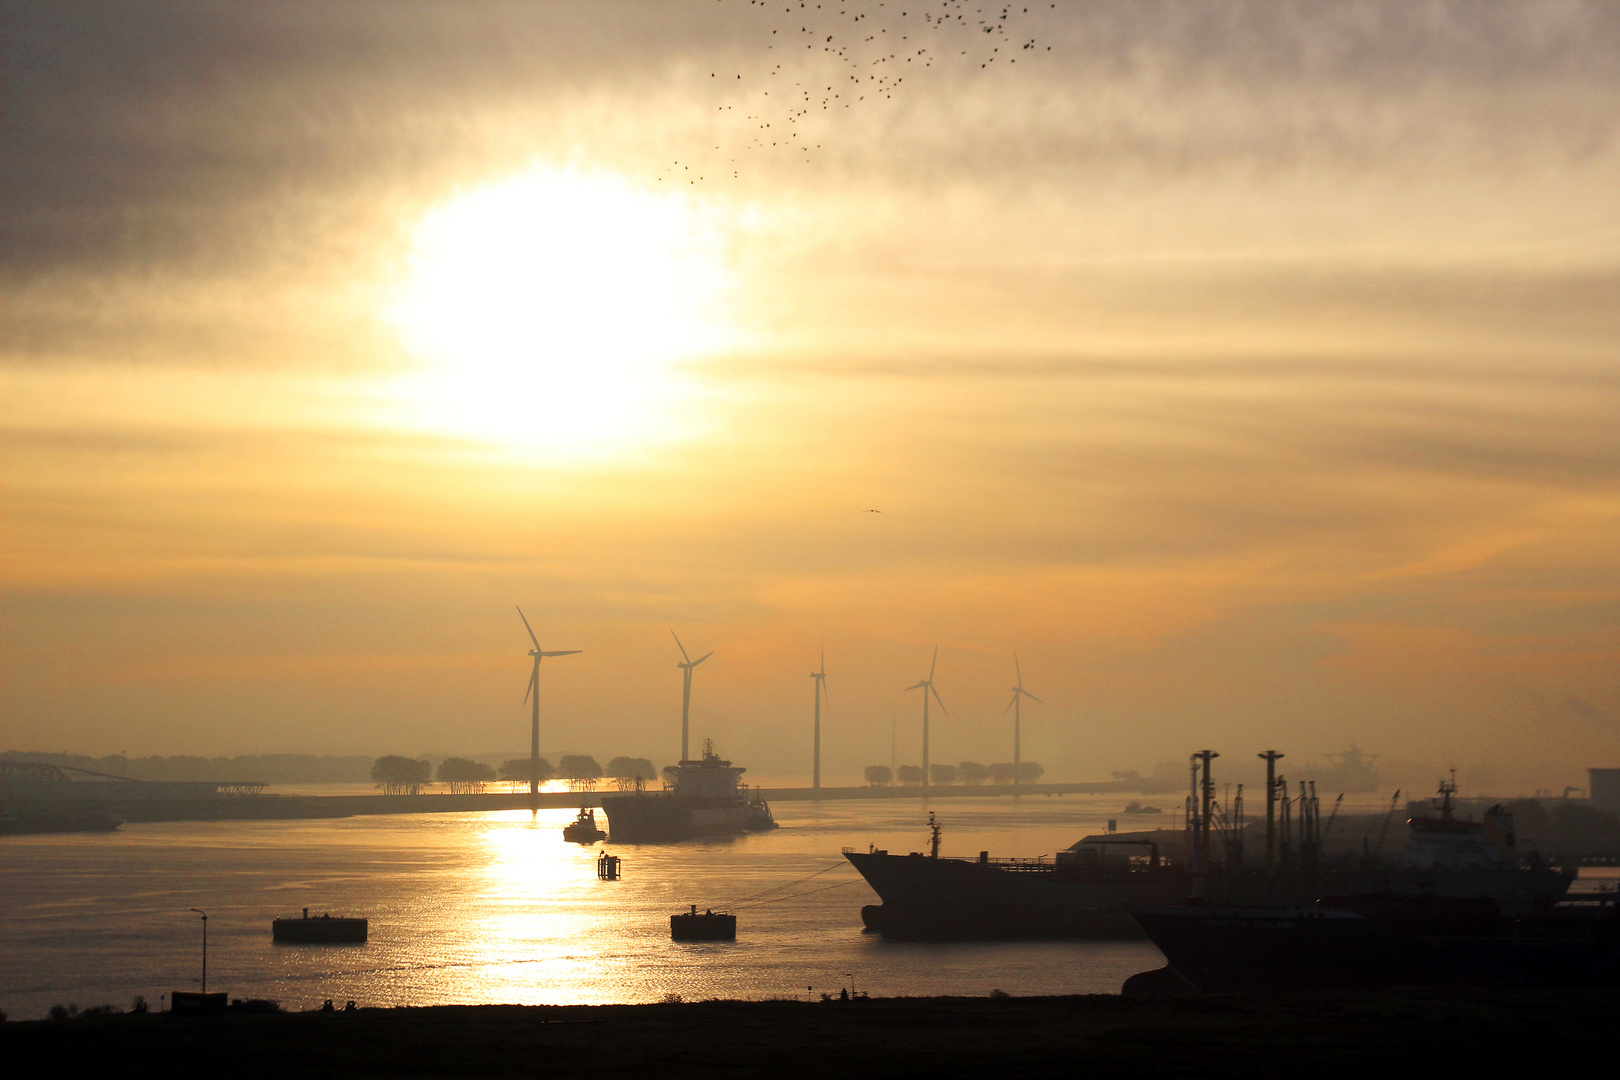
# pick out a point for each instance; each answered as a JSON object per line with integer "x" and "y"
{"x": 1018, "y": 719}
{"x": 927, "y": 687}
{"x": 821, "y": 688}
{"x": 534, "y": 689}
{"x": 686, "y": 664}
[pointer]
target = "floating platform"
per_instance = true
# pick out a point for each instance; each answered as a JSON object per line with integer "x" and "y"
{"x": 707, "y": 926}
{"x": 322, "y": 930}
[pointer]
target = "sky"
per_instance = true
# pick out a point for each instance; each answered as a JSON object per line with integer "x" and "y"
{"x": 1249, "y": 371}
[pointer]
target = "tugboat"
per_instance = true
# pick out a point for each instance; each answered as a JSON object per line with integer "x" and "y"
{"x": 324, "y": 930}
{"x": 583, "y": 829}
{"x": 704, "y": 800}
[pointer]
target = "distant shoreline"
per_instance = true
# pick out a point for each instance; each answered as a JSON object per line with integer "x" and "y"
{"x": 149, "y": 801}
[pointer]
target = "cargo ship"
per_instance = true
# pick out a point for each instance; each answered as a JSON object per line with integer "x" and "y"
{"x": 703, "y": 799}
{"x": 1084, "y": 891}
{"x": 1378, "y": 941}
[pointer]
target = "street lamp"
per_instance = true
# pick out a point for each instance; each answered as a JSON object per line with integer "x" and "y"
{"x": 204, "y": 915}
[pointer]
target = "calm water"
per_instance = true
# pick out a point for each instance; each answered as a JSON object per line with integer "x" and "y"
{"x": 471, "y": 908}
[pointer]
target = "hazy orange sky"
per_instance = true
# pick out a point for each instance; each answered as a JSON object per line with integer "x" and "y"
{"x": 1248, "y": 369}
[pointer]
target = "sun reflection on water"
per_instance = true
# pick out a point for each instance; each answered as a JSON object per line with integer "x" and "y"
{"x": 496, "y": 907}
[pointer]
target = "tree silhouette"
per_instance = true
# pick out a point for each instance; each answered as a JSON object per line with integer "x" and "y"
{"x": 516, "y": 771}
{"x": 398, "y": 775}
{"x": 625, "y": 771}
{"x": 464, "y": 776}
{"x": 580, "y": 770}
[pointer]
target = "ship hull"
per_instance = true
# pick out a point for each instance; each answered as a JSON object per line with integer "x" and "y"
{"x": 959, "y": 899}
{"x": 660, "y": 819}
{"x": 321, "y": 931}
{"x": 1273, "y": 949}
{"x": 58, "y": 819}
{"x": 954, "y": 899}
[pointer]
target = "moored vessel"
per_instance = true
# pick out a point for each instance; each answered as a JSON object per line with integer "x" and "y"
{"x": 1378, "y": 941}
{"x": 703, "y": 926}
{"x": 321, "y": 930}
{"x": 45, "y": 817}
{"x": 1085, "y": 890}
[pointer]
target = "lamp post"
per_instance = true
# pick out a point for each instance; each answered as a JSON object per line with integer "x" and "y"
{"x": 204, "y": 915}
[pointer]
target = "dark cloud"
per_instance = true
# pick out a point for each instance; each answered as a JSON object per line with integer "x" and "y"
{"x": 144, "y": 133}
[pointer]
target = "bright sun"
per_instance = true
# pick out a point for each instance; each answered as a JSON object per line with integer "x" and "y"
{"x": 549, "y": 311}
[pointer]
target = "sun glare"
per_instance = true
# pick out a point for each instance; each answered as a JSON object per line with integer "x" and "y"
{"x": 550, "y": 310}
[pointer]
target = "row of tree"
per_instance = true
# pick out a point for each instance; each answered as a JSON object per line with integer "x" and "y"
{"x": 582, "y": 771}
{"x": 398, "y": 775}
{"x": 968, "y": 773}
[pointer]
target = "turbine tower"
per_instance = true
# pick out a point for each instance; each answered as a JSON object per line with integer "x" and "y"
{"x": 686, "y": 664}
{"x": 821, "y": 688}
{"x": 534, "y": 690}
{"x": 1018, "y": 720}
{"x": 927, "y": 687}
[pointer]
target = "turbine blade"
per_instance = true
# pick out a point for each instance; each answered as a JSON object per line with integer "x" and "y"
{"x": 563, "y": 652}
{"x": 933, "y": 664}
{"x": 942, "y": 707}
{"x": 825, "y": 697}
{"x": 1019, "y": 671}
{"x": 679, "y": 646}
{"x": 1011, "y": 703}
{"x": 914, "y": 686}
{"x": 1031, "y": 696}
{"x": 533, "y": 686}
{"x": 702, "y": 658}
{"x": 527, "y": 627}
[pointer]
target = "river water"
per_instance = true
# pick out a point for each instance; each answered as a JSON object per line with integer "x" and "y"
{"x": 496, "y": 907}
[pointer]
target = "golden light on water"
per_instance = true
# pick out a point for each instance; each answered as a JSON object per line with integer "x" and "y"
{"x": 550, "y": 310}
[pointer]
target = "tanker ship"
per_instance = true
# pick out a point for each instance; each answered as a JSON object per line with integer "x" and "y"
{"x": 705, "y": 799}
{"x": 1086, "y": 890}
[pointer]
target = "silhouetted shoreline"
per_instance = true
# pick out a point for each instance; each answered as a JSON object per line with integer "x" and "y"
{"x": 1216, "y": 1036}
{"x": 151, "y": 803}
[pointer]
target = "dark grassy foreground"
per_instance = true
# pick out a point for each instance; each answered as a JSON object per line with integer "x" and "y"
{"x": 1387, "y": 1035}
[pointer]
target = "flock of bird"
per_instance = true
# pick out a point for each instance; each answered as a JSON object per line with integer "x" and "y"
{"x": 853, "y": 52}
